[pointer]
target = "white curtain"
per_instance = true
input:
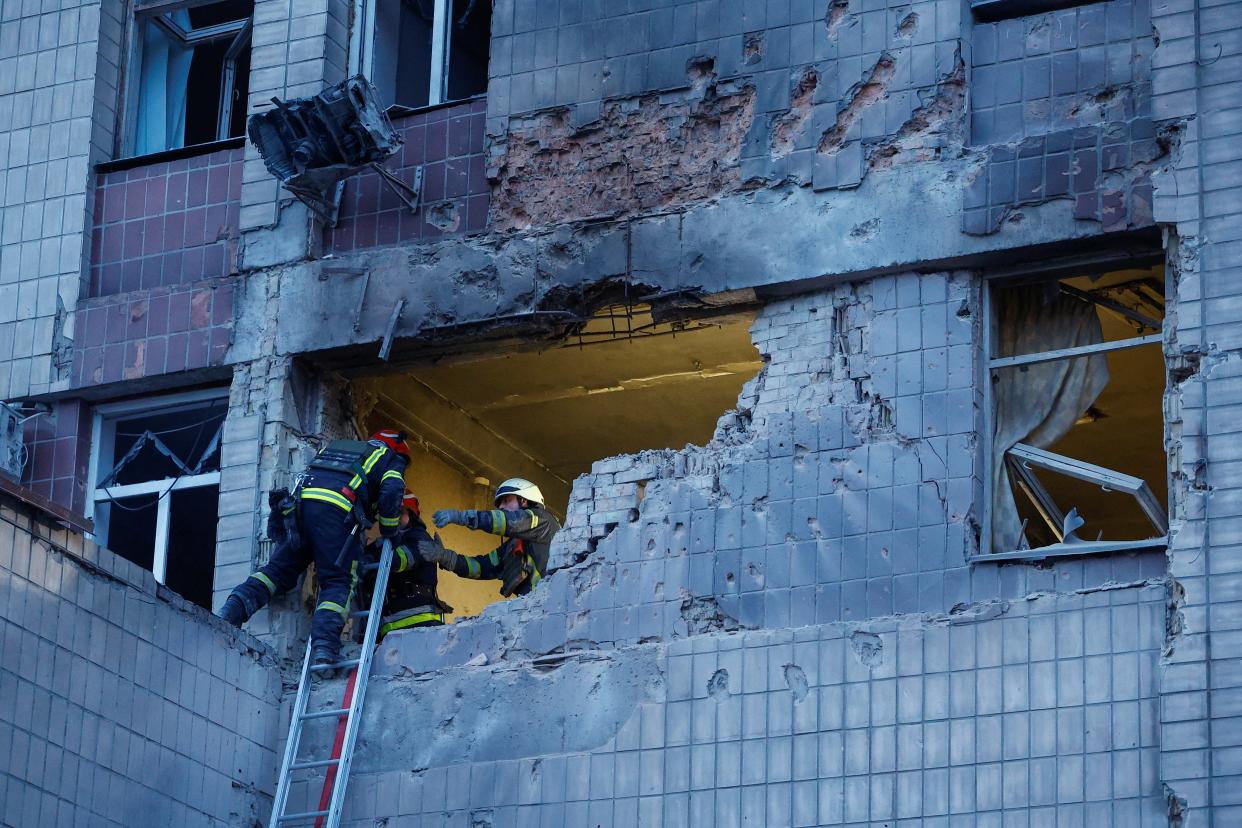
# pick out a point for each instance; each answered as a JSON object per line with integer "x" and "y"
{"x": 1038, "y": 404}
{"x": 163, "y": 80}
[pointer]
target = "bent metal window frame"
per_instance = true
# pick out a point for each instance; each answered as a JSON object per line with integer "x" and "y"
{"x": 103, "y": 435}
{"x": 1023, "y": 458}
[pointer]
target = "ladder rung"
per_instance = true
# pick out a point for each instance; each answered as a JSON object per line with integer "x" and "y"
{"x": 289, "y": 763}
{"x": 321, "y": 763}
{"x": 352, "y": 662}
{"x": 303, "y": 815}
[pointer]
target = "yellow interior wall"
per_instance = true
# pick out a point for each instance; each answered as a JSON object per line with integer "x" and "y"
{"x": 440, "y": 485}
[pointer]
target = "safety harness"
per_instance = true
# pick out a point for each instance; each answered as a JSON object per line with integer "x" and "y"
{"x": 355, "y": 458}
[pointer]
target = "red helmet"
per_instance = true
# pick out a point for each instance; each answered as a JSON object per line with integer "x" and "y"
{"x": 410, "y": 501}
{"x": 394, "y": 439}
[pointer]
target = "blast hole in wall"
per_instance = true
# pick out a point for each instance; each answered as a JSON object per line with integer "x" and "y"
{"x": 547, "y": 411}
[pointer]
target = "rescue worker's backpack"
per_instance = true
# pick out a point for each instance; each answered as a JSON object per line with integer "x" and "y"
{"x": 343, "y": 456}
{"x": 346, "y": 457}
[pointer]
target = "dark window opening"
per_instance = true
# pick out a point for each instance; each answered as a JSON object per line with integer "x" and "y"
{"x": 156, "y": 491}
{"x": 427, "y": 53}
{"x": 192, "y": 543}
{"x": 989, "y": 11}
{"x": 191, "y": 76}
{"x": 413, "y": 82}
{"x": 468, "y": 48}
{"x": 131, "y": 528}
{"x": 190, "y": 437}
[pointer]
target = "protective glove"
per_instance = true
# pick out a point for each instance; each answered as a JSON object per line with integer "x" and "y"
{"x": 389, "y": 531}
{"x": 443, "y": 517}
{"x": 433, "y": 551}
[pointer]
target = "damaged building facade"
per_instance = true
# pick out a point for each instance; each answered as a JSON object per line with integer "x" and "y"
{"x": 880, "y": 358}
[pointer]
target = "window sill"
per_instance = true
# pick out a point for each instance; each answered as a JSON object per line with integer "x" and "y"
{"x": 398, "y": 111}
{"x": 66, "y": 518}
{"x": 1071, "y": 550}
{"x": 169, "y": 155}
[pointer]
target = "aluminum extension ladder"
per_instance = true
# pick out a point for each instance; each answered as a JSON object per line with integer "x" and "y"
{"x": 351, "y": 711}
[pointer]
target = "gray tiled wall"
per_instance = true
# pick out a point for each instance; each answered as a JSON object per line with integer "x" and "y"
{"x": 120, "y": 704}
{"x": 1197, "y": 94}
{"x": 548, "y": 53}
{"x": 1042, "y": 712}
{"x": 47, "y": 103}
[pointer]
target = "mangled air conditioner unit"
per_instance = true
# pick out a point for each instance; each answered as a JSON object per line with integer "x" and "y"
{"x": 313, "y": 144}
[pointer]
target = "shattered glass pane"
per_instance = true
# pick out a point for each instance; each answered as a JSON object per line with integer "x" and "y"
{"x": 187, "y": 433}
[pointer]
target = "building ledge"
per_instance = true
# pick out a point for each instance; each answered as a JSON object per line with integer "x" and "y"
{"x": 65, "y": 517}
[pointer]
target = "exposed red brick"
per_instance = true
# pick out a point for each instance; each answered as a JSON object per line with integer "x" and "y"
{"x": 788, "y": 127}
{"x": 642, "y": 154}
{"x": 861, "y": 97}
{"x": 933, "y": 128}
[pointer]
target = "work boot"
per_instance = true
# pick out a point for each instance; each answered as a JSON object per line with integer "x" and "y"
{"x": 234, "y": 611}
{"x": 322, "y": 652}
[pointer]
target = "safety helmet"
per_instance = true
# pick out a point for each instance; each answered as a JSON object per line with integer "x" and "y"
{"x": 522, "y": 488}
{"x": 410, "y": 501}
{"x": 394, "y": 439}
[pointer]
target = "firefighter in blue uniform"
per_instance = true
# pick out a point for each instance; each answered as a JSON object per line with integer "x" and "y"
{"x": 526, "y": 526}
{"x": 348, "y": 485}
{"x": 410, "y": 600}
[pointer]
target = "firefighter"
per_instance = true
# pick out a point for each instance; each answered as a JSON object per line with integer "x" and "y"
{"x": 347, "y": 485}
{"x": 526, "y": 526}
{"x": 410, "y": 600}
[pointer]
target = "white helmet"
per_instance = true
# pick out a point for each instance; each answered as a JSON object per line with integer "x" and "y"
{"x": 522, "y": 488}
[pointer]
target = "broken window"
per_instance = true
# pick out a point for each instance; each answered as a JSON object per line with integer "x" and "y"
{"x": 187, "y": 52}
{"x": 426, "y": 52}
{"x": 155, "y": 482}
{"x": 615, "y": 383}
{"x": 1076, "y": 459}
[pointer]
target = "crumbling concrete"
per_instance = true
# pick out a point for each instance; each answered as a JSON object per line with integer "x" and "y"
{"x": 462, "y": 289}
{"x": 779, "y": 626}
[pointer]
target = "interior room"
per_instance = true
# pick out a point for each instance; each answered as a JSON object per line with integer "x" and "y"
{"x": 620, "y": 383}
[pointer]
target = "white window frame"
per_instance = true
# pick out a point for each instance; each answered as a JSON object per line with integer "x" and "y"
{"x": 362, "y": 45}
{"x": 238, "y": 30}
{"x": 103, "y": 441}
{"x": 1061, "y": 465}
